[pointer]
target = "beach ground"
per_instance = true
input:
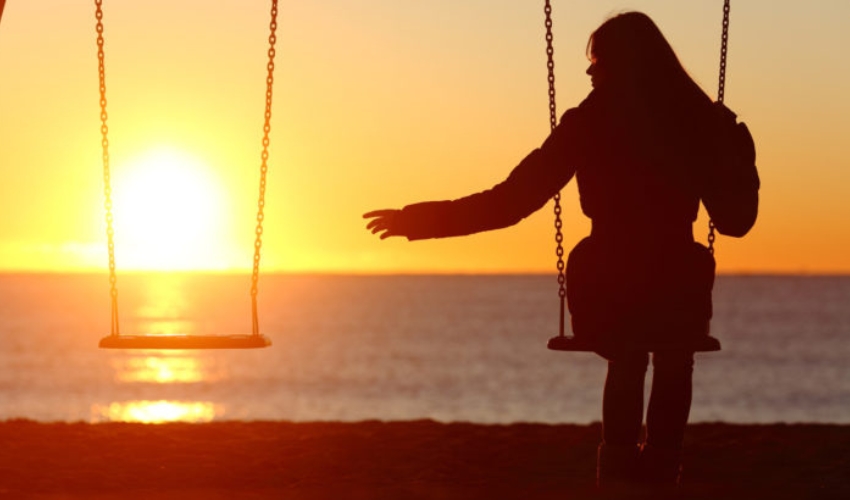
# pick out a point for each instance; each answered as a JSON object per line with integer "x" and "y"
{"x": 404, "y": 460}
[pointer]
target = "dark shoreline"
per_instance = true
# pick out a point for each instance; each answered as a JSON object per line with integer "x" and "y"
{"x": 409, "y": 459}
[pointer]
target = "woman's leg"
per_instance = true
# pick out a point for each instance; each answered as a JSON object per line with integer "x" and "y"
{"x": 622, "y": 401}
{"x": 670, "y": 399}
{"x": 622, "y": 418}
{"x": 666, "y": 417}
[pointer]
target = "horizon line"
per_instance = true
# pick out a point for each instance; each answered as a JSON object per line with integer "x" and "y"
{"x": 355, "y": 273}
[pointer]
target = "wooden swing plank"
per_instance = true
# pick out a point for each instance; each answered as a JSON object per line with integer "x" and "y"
{"x": 702, "y": 343}
{"x": 180, "y": 341}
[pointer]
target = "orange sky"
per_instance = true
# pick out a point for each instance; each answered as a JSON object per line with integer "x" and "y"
{"x": 377, "y": 104}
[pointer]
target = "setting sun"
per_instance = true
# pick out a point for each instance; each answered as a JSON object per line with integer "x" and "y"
{"x": 342, "y": 141}
{"x": 169, "y": 214}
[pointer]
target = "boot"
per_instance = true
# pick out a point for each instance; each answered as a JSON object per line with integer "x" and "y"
{"x": 616, "y": 465}
{"x": 660, "y": 466}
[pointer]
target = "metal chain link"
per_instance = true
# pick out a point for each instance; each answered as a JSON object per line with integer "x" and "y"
{"x": 721, "y": 90}
{"x": 553, "y": 122}
{"x": 261, "y": 203}
{"x": 724, "y": 45}
{"x": 107, "y": 183}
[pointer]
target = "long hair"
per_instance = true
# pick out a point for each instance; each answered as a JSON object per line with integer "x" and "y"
{"x": 635, "y": 53}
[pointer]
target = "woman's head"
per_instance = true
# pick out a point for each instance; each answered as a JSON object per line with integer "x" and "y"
{"x": 629, "y": 49}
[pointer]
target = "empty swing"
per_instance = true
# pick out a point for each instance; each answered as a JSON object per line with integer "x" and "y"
{"x": 700, "y": 341}
{"x": 184, "y": 341}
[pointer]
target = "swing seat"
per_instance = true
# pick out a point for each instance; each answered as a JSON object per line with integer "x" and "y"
{"x": 701, "y": 343}
{"x": 569, "y": 343}
{"x": 181, "y": 341}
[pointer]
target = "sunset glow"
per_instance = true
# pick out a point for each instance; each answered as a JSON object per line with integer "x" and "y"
{"x": 382, "y": 105}
{"x": 168, "y": 212}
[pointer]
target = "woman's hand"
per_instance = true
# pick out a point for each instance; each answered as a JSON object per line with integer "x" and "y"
{"x": 385, "y": 222}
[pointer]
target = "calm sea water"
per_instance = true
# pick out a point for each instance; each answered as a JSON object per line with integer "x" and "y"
{"x": 451, "y": 348}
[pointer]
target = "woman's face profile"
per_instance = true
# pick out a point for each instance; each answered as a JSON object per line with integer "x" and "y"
{"x": 598, "y": 75}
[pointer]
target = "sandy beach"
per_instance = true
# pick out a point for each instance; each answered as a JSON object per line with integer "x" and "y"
{"x": 415, "y": 459}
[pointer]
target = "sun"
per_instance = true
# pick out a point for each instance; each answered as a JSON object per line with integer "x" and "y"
{"x": 169, "y": 214}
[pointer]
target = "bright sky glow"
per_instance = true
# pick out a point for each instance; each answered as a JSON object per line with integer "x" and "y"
{"x": 377, "y": 104}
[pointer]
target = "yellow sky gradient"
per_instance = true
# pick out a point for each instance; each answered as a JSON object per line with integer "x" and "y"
{"x": 378, "y": 104}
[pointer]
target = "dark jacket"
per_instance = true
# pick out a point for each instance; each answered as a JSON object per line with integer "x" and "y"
{"x": 642, "y": 168}
{"x": 628, "y": 175}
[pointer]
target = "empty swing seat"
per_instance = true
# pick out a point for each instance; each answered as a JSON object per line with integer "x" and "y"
{"x": 183, "y": 341}
{"x": 179, "y": 341}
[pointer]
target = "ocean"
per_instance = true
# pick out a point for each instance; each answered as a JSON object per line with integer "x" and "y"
{"x": 350, "y": 348}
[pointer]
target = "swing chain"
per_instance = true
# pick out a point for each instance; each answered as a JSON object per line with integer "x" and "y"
{"x": 550, "y": 66}
{"x": 553, "y": 122}
{"x": 721, "y": 90}
{"x": 261, "y": 203}
{"x": 107, "y": 183}
{"x": 724, "y": 44}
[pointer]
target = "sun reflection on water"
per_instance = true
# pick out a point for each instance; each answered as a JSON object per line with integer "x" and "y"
{"x": 164, "y": 306}
{"x": 156, "y": 412}
{"x": 166, "y": 368}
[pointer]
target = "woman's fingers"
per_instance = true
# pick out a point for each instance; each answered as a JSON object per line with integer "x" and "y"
{"x": 383, "y": 222}
{"x": 379, "y": 223}
{"x": 387, "y": 230}
{"x": 381, "y": 219}
{"x": 379, "y": 213}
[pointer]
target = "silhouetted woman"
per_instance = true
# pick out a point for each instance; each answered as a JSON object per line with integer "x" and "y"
{"x": 642, "y": 146}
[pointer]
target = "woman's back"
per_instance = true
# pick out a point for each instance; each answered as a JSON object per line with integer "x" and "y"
{"x": 638, "y": 177}
{"x": 649, "y": 130}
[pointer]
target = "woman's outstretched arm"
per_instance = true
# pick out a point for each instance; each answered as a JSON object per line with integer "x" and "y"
{"x": 530, "y": 185}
